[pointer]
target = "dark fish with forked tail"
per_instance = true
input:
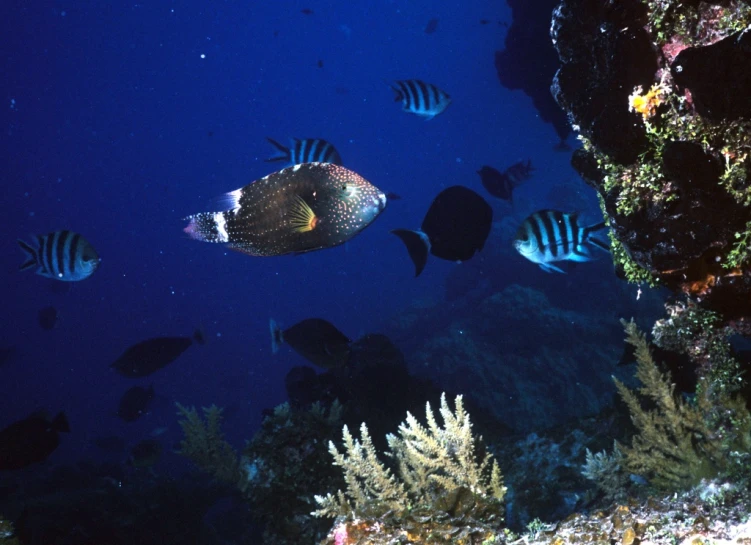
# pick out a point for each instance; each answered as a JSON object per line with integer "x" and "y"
{"x": 306, "y": 207}
{"x": 456, "y": 226}
{"x": 315, "y": 339}
{"x": 30, "y": 440}
{"x": 148, "y": 356}
{"x": 502, "y": 184}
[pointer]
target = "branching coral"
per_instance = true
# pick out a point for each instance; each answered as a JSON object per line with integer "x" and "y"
{"x": 432, "y": 461}
{"x": 679, "y": 442}
{"x": 203, "y": 443}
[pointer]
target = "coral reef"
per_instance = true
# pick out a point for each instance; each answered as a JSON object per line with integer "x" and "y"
{"x": 443, "y": 491}
{"x": 658, "y": 92}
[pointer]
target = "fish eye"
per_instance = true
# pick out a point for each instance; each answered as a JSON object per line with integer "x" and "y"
{"x": 344, "y": 187}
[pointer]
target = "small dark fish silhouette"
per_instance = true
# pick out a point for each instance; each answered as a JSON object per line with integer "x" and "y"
{"x": 315, "y": 339}
{"x": 307, "y": 11}
{"x": 431, "y": 26}
{"x": 47, "y": 318}
{"x": 199, "y": 336}
{"x": 146, "y": 357}
{"x": 456, "y": 226}
{"x": 135, "y": 402}
{"x": 320, "y": 63}
{"x": 145, "y": 453}
{"x": 30, "y": 440}
{"x": 484, "y": 21}
{"x": 502, "y": 184}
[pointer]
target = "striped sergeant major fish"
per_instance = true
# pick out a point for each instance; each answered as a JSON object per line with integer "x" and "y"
{"x": 307, "y": 150}
{"x": 549, "y": 235}
{"x": 420, "y": 98}
{"x": 62, "y": 255}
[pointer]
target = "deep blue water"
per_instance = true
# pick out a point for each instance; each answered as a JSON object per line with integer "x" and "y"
{"x": 119, "y": 119}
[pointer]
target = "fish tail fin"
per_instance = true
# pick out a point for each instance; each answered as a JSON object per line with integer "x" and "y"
{"x": 204, "y": 227}
{"x": 418, "y": 246}
{"x": 32, "y": 256}
{"x": 60, "y": 423}
{"x": 277, "y": 336}
{"x": 398, "y": 95}
{"x": 284, "y": 151}
{"x": 596, "y": 227}
{"x": 596, "y": 242}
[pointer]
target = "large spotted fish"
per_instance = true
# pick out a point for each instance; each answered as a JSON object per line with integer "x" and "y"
{"x": 302, "y": 208}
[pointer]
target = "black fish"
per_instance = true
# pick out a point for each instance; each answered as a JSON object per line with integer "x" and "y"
{"x": 144, "y": 358}
{"x": 502, "y": 184}
{"x": 431, "y": 26}
{"x": 145, "y": 453}
{"x": 306, "y": 207}
{"x": 548, "y": 236}
{"x": 134, "y": 403}
{"x": 47, "y": 318}
{"x": 306, "y": 150}
{"x": 319, "y": 63}
{"x": 62, "y": 255}
{"x": 455, "y": 228}
{"x": 420, "y": 98}
{"x": 314, "y": 339}
{"x": 30, "y": 440}
{"x": 307, "y": 11}
{"x": 199, "y": 336}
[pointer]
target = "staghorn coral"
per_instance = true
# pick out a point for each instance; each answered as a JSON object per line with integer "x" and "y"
{"x": 204, "y": 443}
{"x": 679, "y": 442}
{"x": 606, "y": 471}
{"x": 433, "y": 463}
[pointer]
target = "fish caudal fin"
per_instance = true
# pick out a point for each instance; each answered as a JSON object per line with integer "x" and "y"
{"x": 60, "y": 423}
{"x": 31, "y": 256}
{"x": 596, "y": 242}
{"x": 207, "y": 227}
{"x": 418, "y": 246}
{"x": 277, "y": 337}
{"x": 284, "y": 150}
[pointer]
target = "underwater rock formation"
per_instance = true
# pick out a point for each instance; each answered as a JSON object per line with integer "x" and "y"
{"x": 528, "y": 61}
{"x": 661, "y": 95}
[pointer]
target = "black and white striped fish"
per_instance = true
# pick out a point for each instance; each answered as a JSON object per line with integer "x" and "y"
{"x": 62, "y": 255}
{"x": 307, "y": 150}
{"x": 549, "y": 235}
{"x": 420, "y": 98}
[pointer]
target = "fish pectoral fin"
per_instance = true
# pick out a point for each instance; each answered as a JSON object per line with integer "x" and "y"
{"x": 301, "y": 216}
{"x": 548, "y": 268}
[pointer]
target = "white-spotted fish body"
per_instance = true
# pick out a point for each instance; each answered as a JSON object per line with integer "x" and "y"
{"x": 62, "y": 255}
{"x": 548, "y": 236}
{"x": 420, "y": 98}
{"x": 306, "y": 207}
{"x": 306, "y": 150}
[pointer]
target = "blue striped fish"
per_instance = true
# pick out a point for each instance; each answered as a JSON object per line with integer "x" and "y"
{"x": 420, "y": 98}
{"x": 307, "y": 150}
{"x": 549, "y": 235}
{"x": 62, "y": 255}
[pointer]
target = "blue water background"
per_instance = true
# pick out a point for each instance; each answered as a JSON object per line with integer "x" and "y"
{"x": 119, "y": 119}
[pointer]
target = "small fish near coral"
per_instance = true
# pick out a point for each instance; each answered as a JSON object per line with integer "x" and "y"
{"x": 307, "y": 207}
{"x": 31, "y": 440}
{"x": 456, "y": 226}
{"x": 306, "y": 150}
{"x": 502, "y": 184}
{"x": 62, "y": 255}
{"x": 548, "y": 236}
{"x": 134, "y": 403}
{"x": 315, "y": 339}
{"x": 146, "y": 357}
{"x": 420, "y": 98}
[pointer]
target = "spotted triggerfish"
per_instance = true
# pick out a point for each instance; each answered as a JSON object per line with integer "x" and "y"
{"x": 62, "y": 255}
{"x": 549, "y": 235}
{"x": 420, "y": 98}
{"x": 306, "y": 207}
{"x": 456, "y": 226}
{"x": 306, "y": 150}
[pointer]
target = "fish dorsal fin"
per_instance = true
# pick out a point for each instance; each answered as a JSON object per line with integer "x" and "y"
{"x": 301, "y": 216}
